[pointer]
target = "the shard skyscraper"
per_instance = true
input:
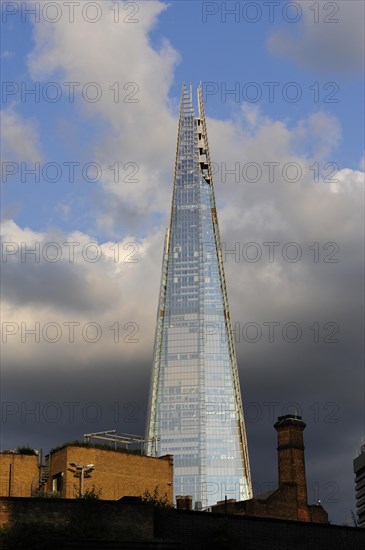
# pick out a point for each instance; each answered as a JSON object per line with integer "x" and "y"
{"x": 195, "y": 408}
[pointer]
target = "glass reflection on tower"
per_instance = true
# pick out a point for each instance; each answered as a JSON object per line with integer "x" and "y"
{"x": 195, "y": 408}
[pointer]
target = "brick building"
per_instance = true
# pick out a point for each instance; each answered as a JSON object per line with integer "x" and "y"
{"x": 289, "y": 501}
{"x": 17, "y": 473}
{"x": 114, "y": 474}
{"x": 280, "y": 519}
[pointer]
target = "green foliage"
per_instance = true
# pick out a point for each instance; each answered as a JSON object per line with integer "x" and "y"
{"x": 155, "y": 499}
{"x": 90, "y": 494}
{"x": 102, "y": 446}
{"x": 26, "y": 450}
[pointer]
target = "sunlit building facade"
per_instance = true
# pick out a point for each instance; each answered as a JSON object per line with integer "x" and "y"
{"x": 195, "y": 407}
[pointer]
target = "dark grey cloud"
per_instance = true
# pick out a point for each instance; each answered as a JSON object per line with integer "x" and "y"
{"x": 71, "y": 399}
{"x": 50, "y": 284}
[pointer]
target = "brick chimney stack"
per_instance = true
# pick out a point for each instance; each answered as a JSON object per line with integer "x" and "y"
{"x": 184, "y": 502}
{"x": 291, "y": 458}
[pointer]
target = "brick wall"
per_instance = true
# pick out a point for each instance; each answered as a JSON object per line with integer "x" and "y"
{"x": 291, "y": 463}
{"x": 108, "y": 516}
{"x": 195, "y": 530}
{"x": 202, "y": 530}
{"x": 280, "y": 504}
{"x": 24, "y": 469}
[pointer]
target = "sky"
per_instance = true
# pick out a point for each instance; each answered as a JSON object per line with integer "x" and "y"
{"x": 90, "y": 101}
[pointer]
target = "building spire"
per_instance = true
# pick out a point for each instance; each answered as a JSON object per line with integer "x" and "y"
{"x": 186, "y": 107}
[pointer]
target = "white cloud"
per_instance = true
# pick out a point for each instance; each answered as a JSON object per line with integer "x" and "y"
{"x": 303, "y": 212}
{"x": 20, "y": 138}
{"x": 111, "y": 290}
{"x": 318, "y": 135}
{"x": 332, "y": 39}
{"x": 350, "y": 182}
{"x": 143, "y": 132}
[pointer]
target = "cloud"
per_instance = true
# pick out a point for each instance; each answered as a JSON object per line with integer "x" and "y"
{"x": 331, "y": 39}
{"x": 6, "y": 54}
{"x": 20, "y": 137}
{"x": 64, "y": 210}
{"x": 138, "y": 123}
{"x": 303, "y": 213}
{"x": 77, "y": 331}
{"x": 58, "y": 274}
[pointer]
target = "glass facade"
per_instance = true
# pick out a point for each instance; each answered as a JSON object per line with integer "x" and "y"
{"x": 195, "y": 409}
